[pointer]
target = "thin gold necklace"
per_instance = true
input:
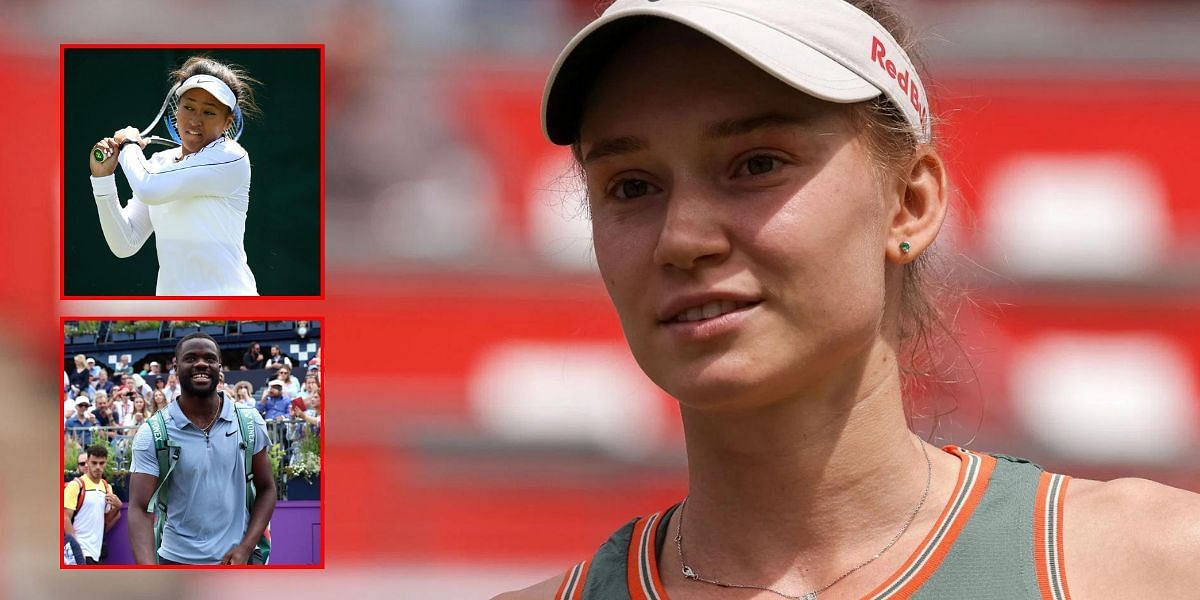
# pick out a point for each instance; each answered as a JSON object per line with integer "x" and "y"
{"x": 690, "y": 573}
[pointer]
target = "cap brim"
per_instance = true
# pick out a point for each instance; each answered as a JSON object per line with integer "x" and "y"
{"x": 786, "y": 58}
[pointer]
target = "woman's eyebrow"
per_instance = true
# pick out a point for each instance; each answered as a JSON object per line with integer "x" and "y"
{"x": 742, "y": 125}
{"x": 614, "y": 147}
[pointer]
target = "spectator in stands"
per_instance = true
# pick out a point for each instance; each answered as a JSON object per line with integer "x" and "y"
{"x": 90, "y": 508}
{"x": 171, "y": 366}
{"x": 93, "y": 369}
{"x": 311, "y": 387}
{"x": 274, "y": 403}
{"x": 158, "y": 402}
{"x": 291, "y": 385}
{"x": 253, "y": 358}
{"x": 80, "y": 424}
{"x": 139, "y": 406}
{"x": 124, "y": 365}
{"x": 81, "y": 379}
{"x": 172, "y": 387}
{"x": 137, "y": 386}
{"x": 295, "y": 429}
{"x": 102, "y": 383}
{"x": 152, "y": 370}
{"x": 105, "y": 415}
{"x": 312, "y": 412}
{"x": 278, "y": 360}
{"x": 243, "y": 393}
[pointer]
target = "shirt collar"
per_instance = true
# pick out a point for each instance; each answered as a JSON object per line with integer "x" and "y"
{"x": 177, "y": 413}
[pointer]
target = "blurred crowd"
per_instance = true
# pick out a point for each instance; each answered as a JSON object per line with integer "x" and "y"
{"x": 106, "y": 404}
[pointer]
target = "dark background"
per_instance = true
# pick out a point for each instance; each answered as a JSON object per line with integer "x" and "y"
{"x": 107, "y": 89}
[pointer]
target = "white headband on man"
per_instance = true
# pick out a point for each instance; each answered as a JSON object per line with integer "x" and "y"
{"x": 826, "y": 48}
{"x": 212, "y": 85}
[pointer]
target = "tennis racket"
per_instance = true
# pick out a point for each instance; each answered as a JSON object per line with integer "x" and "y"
{"x": 167, "y": 115}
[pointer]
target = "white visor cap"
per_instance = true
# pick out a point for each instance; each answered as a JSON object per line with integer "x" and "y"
{"x": 825, "y": 48}
{"x": 212, "y": 85}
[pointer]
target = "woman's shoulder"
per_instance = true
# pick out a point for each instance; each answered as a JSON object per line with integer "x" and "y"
{"x": 540, "y": 591}
{"x": 1132, "y": 534}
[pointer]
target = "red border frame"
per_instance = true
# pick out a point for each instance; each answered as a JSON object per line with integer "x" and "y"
{"x": 62, "y": 566}
{"x": 62, "y": 175}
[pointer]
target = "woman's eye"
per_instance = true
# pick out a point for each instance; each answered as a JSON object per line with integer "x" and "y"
{"x": 629, "y": 189}
{"x": 757, "y": 165}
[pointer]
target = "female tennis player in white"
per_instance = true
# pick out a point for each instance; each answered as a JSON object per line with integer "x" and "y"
{"x": 194, "y": 198}
{"x": 763, "y": 187}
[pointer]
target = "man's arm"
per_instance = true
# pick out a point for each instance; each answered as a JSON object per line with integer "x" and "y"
{"x": 68, "y": 528}
{"x": 260, "y": 516}
{"x": 141, "y": 525}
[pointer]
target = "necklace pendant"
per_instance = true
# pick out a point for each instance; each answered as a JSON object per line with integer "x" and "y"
{"x": 688, "y": 572}
{"x": 810, "y": 596}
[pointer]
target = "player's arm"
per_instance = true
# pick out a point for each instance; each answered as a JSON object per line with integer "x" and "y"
{"x": 125, "y": 229}
{"x": 541, "y": 591}
{"x": 162, "y": 184}
{"x": 143, "y": 480}
{"x": 1134, "y": 534}
{"x": 68, "y": 528}
{"x": 260, "y": 515}
{"x": 70, "y": 496}
{"x": 141, "y": 523}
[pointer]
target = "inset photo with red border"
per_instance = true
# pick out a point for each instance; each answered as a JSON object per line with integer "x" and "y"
{"x": 192, "y": 171}
{"x": 191, "y": 444}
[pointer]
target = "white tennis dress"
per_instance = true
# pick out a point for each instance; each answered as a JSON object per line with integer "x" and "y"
{"x": 197, "y": 209}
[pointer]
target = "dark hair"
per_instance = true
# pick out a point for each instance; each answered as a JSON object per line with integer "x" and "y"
{"x": 97, "y": 451}
{"x": 234, "y": 76}
{"x": 195, "y": 335}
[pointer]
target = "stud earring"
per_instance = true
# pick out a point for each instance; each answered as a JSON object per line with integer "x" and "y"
{"x": 905, "y": 247}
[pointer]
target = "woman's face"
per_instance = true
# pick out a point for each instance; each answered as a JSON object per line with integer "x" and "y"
{"x": 284, "y": 374}
{"x": 738, "y": 224}
{"x": 201, "y": 118}
{"x": 160, "y": 399}
{"x": 139, "y": 405}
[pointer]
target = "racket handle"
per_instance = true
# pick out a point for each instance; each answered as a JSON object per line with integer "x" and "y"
{"x": 99, "y": 155}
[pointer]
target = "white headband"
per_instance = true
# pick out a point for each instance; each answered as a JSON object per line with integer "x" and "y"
{"x": 212, "y": 85}
{"x": 826, "y": 48}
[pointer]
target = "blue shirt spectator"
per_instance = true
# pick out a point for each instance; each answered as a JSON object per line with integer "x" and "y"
{"x": 274, "y": 403}
{"x": 80, "y": 424}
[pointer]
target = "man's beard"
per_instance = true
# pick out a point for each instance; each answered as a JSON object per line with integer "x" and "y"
{"x": 192, "y": 389}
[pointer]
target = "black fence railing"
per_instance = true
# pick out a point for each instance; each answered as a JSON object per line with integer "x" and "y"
{"x": 294, "y": 449}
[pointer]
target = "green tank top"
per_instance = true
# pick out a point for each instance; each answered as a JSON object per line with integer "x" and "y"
{"x": 998, "y": 537}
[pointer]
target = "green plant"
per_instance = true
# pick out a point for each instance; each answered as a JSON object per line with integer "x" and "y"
{"x": 81, "y": 327}
{"x": 307, "y": 462}
{"x": 114, "y": 469}
{"x": 70, "y": 455}
{"x": 134, "y": 326}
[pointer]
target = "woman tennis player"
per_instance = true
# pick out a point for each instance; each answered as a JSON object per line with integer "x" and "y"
{"x": 763, "y": 188}
{"x": 194, "y": 198}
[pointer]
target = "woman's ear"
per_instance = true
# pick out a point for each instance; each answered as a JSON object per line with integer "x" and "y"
{"x": 920, "y": 207}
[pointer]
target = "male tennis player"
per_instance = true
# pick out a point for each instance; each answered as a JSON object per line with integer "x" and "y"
{"x": 194, "y": 198}
{"x": 207, "y": 521}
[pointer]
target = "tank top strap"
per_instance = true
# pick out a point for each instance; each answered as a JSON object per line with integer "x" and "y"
{"x": 625, "y": 566}
{"x": 1048, "y": 536}
{"x": 1000, "y": 552}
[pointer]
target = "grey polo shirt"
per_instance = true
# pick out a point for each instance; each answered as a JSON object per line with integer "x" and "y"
{"x": 206, "y": 495}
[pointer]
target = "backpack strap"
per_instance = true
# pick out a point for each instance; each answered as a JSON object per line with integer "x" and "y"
{"x": 167, "y": 453}
{"x": 79, "y": 499}
{"x": 245, "y": 418}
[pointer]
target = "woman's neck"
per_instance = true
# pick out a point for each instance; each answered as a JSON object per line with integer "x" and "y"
{"x": 815, "y": 484}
